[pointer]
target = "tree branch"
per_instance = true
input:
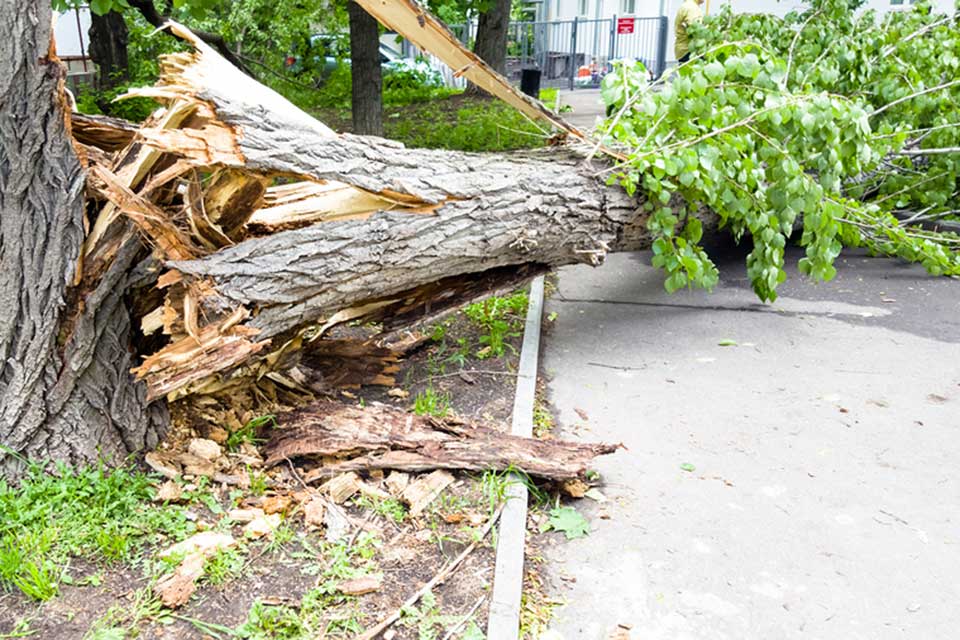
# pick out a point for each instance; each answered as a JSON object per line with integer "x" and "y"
{"x": 149, "y": 11}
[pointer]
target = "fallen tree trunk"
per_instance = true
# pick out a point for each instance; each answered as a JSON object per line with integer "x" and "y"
{"x": 222, "y": 240}
{"x": 345, "y": 438}
{"x": 416, "y": 217}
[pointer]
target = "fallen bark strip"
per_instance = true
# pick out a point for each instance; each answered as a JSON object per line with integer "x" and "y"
{"x": 381, "y": 437}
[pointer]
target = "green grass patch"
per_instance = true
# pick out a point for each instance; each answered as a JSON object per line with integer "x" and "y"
{"x": 431, "y": 402}
{"x": 500, "y": 318}
{"x": 103, "y": 515}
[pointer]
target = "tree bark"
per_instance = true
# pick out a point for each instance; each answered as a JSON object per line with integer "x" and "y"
{"x": 430, "y": 225}
{"x": 365, "y": 73}
{"x": 491, "y": 44}
{"x": 381, "y": 437}
{"x": 65, "y": 388}
{"x": 108, "y": 49}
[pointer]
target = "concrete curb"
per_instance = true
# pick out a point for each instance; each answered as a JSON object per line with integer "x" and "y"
{"x": 503, "y": 621}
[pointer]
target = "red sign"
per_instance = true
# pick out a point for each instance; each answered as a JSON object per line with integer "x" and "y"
{"x": 625, "y": 25}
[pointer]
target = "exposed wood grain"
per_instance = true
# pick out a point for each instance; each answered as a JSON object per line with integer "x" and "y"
{"x": 379, "y": 437}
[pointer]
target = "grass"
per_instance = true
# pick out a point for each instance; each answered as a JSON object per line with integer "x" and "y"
{"x": 430, "y": 402}
{"x": 389, "y": 508}
{"x": 500, "y": 318}
{"x": 223, "y": 566}
{"x": 440, "y": 119}
{"x": 103, "y": 515}
{"x": 248, "y": 432}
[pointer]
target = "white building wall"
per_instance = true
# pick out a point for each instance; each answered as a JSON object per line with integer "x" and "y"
{"x": 68, "y": 36}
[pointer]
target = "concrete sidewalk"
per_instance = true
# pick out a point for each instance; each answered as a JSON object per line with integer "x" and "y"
{"x": 587, "y": 107}
{"x": 825, "y": 500}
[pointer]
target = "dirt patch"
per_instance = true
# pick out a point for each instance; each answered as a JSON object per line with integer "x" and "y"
{"x": 279, "y": 580}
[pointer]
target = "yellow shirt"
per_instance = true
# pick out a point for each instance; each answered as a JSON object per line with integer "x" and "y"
{"x": 688, "y": 14}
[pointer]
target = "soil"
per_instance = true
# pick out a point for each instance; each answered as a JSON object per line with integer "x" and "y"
{"x": 410, "y": 552}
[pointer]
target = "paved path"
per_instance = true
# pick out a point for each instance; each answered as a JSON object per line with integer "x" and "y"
{"x": 587, "y": 106}
{"x": 826, "y": 497}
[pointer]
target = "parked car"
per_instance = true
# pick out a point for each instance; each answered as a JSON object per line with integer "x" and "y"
{"x": 326, "y": 52}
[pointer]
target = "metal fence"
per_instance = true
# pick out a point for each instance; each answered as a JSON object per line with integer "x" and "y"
{"x": 574, "y": 53}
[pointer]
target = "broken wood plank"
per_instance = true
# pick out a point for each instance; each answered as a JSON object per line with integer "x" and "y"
{"x": 342, "y": 487}
{"x": 425, "y": 489}
{"x": 348, "y": 438}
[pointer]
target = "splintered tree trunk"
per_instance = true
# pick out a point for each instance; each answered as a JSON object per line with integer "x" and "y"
{"x": 409, "y": 228}
{"x": 65, "y": 387}
{"x": 491, "y": 44}
{"x": 365, "y": 72}
{"x": 108, "y": 48}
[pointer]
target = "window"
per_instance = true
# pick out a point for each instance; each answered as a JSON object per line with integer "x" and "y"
{"x": 583, "y": 6}
{"x": 628, "y": 6}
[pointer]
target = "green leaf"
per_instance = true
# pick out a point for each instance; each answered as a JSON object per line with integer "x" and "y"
{"x": 568, "y": 521}
{"x": 727, "y": 343}
{"x": 686, "y": 466}
{"x": 101, "y": 7}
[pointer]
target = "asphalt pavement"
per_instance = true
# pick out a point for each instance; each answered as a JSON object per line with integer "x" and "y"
{"x": 799, "y": 482}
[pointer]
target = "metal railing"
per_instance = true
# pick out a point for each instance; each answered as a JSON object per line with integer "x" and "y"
{"x": 573, "y": 53}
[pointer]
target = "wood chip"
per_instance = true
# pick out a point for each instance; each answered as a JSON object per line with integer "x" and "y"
{"x": 205, "y": 542}
{"x": 169, "y": 491}
{"x": 425, "y": 490}
{"x": 276, "y": 504}
{"x": 175, "y": 590}
{"x": 203, "y": 448}
{"x": 341, "y": 487}
{"x": 245, "y": 515}
{"x": 262, "y": 526}
{"x": 360, "y": 586}
{"x": 371, "y": 491}
{"x": 397, "y": 481}
{"x": 336, "y": 521}
{"x": 313, "y": 512}
{"x": 163, "y": 463}
{"x": 575, "y": 488}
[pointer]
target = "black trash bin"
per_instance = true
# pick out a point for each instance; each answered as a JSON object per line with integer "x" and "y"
{"x": 530, "y": 82}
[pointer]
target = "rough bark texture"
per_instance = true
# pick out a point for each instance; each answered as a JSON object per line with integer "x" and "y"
{"x": 108, "y": 48}
{"x": 365, "y": 72}
{"x": 65, "y": 390}
{"x": 427, "y": 228}
{"x": 491, "y": 44}
{"x": 381, "y": 437}
{"x": 494, "y": 211}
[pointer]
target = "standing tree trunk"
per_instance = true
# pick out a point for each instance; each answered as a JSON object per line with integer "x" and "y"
{"x": 65, "y": 387}
{"x": 491, "y": 43}
{"x": 108, "y": 49}
{"x": 365, "y": 72}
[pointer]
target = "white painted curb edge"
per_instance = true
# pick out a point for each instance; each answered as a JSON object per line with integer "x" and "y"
{"x": 503, "y": 621}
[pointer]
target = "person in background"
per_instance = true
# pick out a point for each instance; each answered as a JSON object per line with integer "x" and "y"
{"x": 689, "y": 13}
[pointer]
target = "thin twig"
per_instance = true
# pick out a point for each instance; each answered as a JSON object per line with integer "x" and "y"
{"x": 917, "y": 94}
{"x": 442, "y": 575}
{"x": 886, "y": 51}
{"x": 485, "y": 372}
{"x": 786, "y": 76}
{"x": 928, "y": 152}
{"x": 454, "y": 629}
{"x": 273, "y": 71}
